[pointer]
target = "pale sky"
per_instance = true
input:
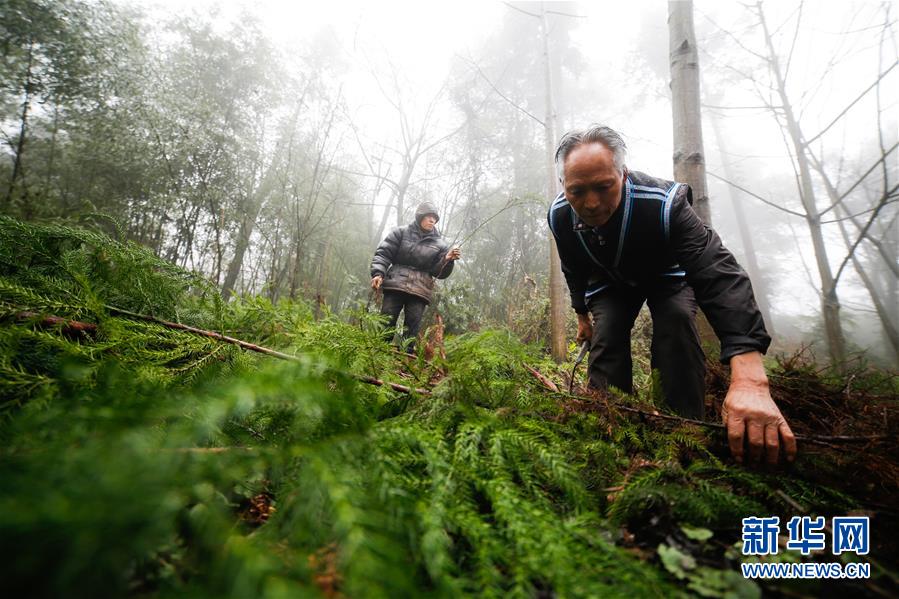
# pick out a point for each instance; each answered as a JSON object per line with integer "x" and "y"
{"x": 619, "y": 39}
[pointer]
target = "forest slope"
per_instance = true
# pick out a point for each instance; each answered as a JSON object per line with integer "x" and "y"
{"x": 140, "y": 460}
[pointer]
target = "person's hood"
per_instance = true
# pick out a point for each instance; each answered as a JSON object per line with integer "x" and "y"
{"x": 424, "y": 209}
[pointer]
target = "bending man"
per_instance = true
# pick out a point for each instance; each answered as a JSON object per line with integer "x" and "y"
{"x": 626, "y": 238}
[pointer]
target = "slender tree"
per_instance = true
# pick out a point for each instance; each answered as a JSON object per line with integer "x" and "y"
{"x": 557, "y": 301}
{"x": 746, "y": 236}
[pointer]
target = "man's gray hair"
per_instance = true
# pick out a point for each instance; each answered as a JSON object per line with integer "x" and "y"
{"x": 592, "y": 134}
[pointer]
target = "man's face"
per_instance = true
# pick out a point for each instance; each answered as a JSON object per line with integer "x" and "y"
{"x": 592, "y": 183}
{"x": 428, "y": 221}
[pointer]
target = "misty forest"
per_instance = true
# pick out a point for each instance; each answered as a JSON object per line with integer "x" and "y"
{"x": 199, "y": 395}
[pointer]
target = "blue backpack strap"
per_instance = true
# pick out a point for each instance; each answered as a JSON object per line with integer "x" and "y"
{"x": 666, "y": 210}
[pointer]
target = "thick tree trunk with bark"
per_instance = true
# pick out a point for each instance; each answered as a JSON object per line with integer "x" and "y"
{"x": 686, "y": 118}
{"x": 689, "y": 158}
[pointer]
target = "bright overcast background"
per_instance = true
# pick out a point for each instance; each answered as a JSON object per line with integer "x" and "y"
{"x": 624, "y": 46}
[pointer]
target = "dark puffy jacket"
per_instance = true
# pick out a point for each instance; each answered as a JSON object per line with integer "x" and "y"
{"x": 655, "y": 236}
{"x": 410, "y": 259}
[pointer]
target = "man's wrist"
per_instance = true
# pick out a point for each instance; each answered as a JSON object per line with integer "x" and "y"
{"x": 748, "y": 369}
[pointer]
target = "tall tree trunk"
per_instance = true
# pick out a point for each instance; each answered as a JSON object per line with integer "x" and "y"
{"x": 255, "y": 199}
{"x": 830, "y": 304}
{"x": 252, "y": 206}
{"x": 320, "y": 293}
{"x": 51, "y": 155}
{"x": 383, "y": 224}
{"x": 686, "y": 119}
{"x": 887, "y": 320}
{"x": 401, "y": 189}
{"x": 752, "y": 265}
{"x": 23, "y": 127}
{"x": 304, "y": 226}
{"x": 890, "y": 331}
{"x": 689, "y": 158}
{"x": 556, "y": 281}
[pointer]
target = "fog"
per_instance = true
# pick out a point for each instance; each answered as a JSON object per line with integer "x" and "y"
{"x": 335, "y": 119}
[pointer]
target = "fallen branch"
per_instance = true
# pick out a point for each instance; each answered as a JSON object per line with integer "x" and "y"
{"x": 204, "y": 333}
{"x": 70, "y": 328}
{"x": 815, "y": 439}
{"x": 396, "y": 387}
{"x": 208, "y": 449}
{"x": 258, "y": 348}
{"x": 546, "y": 382}
{"x": 75, "y": 325}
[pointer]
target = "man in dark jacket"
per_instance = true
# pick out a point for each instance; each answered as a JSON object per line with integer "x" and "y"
{"x": 406, "y": 265}
{"x": 626, "y": 238}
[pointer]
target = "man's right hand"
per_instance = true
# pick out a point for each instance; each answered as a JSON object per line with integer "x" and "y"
{"x": 584, "y": 328}
{"x": 376, "y": 282}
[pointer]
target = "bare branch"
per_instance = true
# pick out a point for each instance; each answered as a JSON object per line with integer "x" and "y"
{"x": 819, "y": 167}
{"x": 888, "y": 199}
{"x": 763, "y": 107}
{"x": 521, "y": 10}
{"x": 851, "y": 104}
{"x": 883, "y": 202}
{"x": 734, "y": 38}
{"x": 756, "y": 196}
{"x": 793, "y": 43}
{"x": 808, "y": 272}
{"x": 475, "y": 66}
{"x": 886, "y": 171}
{"x": 832, "y": 193}
{"x": 565, "y": 14}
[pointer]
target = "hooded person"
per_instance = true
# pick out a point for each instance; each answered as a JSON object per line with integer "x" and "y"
{"x": 406, "y": 266}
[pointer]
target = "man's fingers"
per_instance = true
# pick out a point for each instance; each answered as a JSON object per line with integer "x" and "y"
{"x": 772, "y": 446}
{"x": 735, "y": 432}
{"x": 789, "y": 440}
{"x": 755, "y": 434}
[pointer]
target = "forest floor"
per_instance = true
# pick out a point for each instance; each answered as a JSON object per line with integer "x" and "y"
{"x": 140, "y": 459}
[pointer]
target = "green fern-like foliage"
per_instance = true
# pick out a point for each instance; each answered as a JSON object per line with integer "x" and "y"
{"x": 141, "y": 460}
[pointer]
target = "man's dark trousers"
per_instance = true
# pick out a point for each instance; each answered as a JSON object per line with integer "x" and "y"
{"x": 676, "y": 350}
{"x": 414, "y": 306}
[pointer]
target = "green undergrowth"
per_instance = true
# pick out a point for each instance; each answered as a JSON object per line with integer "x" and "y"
{"x": 139, "y": 460}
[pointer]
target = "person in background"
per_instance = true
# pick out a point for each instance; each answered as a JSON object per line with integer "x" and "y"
{"x": 406, "y": 265}
{"x": 625, "y": 238}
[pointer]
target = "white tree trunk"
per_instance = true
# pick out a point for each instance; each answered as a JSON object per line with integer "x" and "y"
{"x": 689, "y": 158}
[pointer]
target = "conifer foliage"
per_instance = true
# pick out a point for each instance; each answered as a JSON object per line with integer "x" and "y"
{"x": 138, "y": 460}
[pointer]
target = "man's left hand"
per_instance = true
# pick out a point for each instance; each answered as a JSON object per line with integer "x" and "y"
{"x": 751, "y": 415}
{"x": 453, "y": 254}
